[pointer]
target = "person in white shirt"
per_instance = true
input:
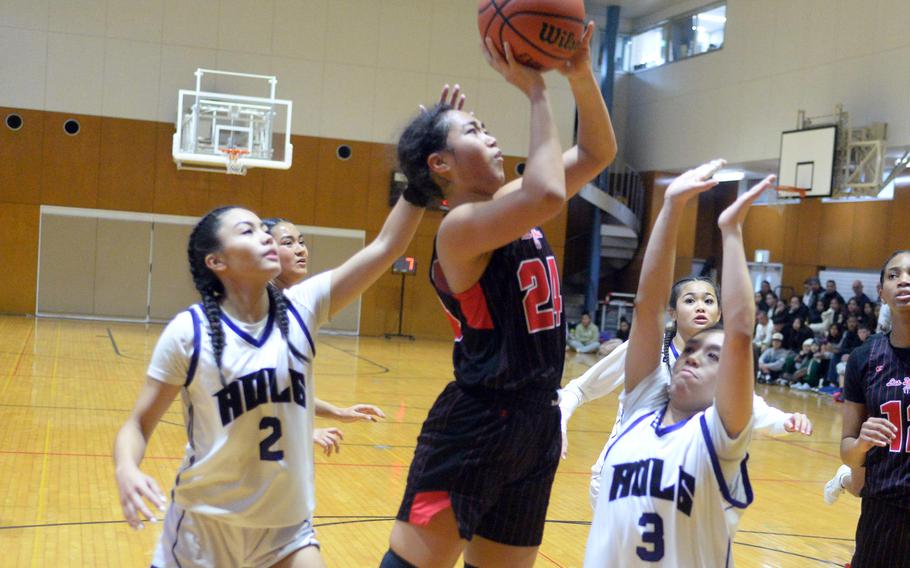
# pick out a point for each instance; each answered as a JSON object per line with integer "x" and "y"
{"x": 763, "y": 330}
{"x": 242, "y": 364}
{"x": 294, "y": 256}
{"x": 675, "y": 480}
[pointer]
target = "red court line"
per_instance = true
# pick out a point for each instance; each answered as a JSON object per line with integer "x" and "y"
{"x": 340, "y": 464}
{"x": 808, "y": 449}
{"x": 550, "y": 559}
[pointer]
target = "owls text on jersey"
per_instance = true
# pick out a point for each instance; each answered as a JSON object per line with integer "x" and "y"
{"x": 249, "y": 456}
{"x": 672, "y": 495}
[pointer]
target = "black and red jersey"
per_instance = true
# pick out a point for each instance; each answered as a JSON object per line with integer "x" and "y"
{"x": 878, "y": 376}
{"x": 509, "y": 327}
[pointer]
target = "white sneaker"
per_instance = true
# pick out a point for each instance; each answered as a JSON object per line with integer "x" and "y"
{"x": 835, "y": 485}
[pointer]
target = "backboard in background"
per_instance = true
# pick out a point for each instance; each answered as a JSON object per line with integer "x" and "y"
{"x": 222, "y": 132}
{"x": 807, "y": 161}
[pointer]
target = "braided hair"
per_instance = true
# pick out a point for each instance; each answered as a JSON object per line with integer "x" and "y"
{"x": 204, "y": 241}
{"x": 426, "y": 134}
{"x": 671, "y": 328}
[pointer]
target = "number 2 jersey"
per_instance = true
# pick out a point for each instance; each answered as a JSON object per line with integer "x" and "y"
{"x": 249, "y": 456}
{"x": 878, "y": 376}
{"x": 509, "y": 326}
{"x": 670, "y": 495}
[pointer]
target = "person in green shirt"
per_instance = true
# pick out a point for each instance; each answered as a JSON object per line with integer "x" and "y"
{"x": 585, "y": 338}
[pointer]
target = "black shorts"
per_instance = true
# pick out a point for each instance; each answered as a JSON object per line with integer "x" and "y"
{"x": 492, "y": 459}
{"x": 882, "y": 535}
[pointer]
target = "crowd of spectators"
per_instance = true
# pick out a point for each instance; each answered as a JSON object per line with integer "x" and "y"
{"x": 803, "y": 342}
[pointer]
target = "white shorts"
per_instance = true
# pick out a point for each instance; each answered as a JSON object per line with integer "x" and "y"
{"x": 190, "y": 539}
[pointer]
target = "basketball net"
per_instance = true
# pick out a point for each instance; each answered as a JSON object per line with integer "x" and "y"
{"x": 782, "y": 200}
{"x": 234, "y": 165}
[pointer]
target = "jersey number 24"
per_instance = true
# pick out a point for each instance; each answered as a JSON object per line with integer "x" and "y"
{"x": 542, "y": 301}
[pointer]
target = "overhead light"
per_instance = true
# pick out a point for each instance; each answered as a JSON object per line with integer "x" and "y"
{"x": 729, "y": 175}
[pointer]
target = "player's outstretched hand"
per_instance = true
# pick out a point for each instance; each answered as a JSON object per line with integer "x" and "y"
{"x": 527, "y": 80}
{"x": 565, "y": 412}
{"x": 456, "y": 100}
{"x": 876, "y": 432}
{"x": 734, "y": 215}
{"x": 135, "y": 489}
{"x": 366, "y": 412}
{"x": 329, "y": 439}
{"x": 579, "y": 64}
{"x": 800, "y": 423}
{"x": 695, "y": 181}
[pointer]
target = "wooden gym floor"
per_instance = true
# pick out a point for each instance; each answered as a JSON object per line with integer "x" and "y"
{"x": 66, "y": 386}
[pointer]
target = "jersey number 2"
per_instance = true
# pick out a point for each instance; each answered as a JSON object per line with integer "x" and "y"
{"x": 266, "y": 452}
{"x": 541, "y": 287}
{"x": 654, "y": 536}
{"x": 892, "y": 410}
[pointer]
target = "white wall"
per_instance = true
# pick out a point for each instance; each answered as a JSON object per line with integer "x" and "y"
{"x": 779, "y": 56}
{"x": 355, "y": 69}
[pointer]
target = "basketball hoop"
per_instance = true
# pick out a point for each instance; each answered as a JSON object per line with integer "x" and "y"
{"x": 234, "y": 165}
{"x": 790, "y": 189}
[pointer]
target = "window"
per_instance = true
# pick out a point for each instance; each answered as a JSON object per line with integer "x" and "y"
{"x": 648, "y": 49}
{"x": 681, "y": 37}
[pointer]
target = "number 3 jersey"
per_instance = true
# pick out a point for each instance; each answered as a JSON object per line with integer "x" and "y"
{"x": 670, "y": 495}
{"x": 249, "y": 456}
{"x": 509, "y": 326}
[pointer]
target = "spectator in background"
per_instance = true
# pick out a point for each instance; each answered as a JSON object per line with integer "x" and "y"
{"x": 763, "y": 331}
{"x": 760, "y": 305}
{"x": 797, "y": 335}
{"x": 585, "y": 337}
{"x": 851, "y": 336}
{"x": 797, "y": 310}
{"x": 765, "y": 288}
{"x": 622, "y": 331}
{"x": 808, "y": 363}
{"x": 835, "y": 336}
{"x": 825, "y": 320}
{"x": 622, "y": 335}
{"x": 869, "y": 318}
{"x": 777, "y": 310}
{"x": 840, "y": 313}
{"x": 812, "y": 291}
{"x": 831, "y": 293}
{"x": 854, "y": 309}
{"x": 772, "y": 360}
{"x": 858, "y": 295}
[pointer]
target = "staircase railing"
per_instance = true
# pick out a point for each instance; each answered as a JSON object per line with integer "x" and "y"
{"x": 624, "y": 184}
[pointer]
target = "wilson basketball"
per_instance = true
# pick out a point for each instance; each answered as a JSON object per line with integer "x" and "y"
{"x": 542, "y": 33}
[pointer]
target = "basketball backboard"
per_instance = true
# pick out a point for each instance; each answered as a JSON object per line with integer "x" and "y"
{"x": 229, "y": 133}
{"x": 807, "y": 161}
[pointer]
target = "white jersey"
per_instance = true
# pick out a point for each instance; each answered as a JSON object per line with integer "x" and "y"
{"x": 249, "y": 456}
{"x": 609, "y": 374}
{"x": 672, "y": 495}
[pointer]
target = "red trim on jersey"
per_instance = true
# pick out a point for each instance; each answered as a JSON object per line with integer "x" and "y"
{"x": 453, "y": 321}
{"x": 474, "y": 307}
{"x": 426, "y": 505}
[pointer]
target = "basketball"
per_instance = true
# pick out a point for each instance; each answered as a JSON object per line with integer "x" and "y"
{"x": 542, "y": 33}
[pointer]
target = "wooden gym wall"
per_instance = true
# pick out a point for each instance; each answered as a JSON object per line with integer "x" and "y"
{"x": 803, "y": 237}
{"x": 126, "y": 165}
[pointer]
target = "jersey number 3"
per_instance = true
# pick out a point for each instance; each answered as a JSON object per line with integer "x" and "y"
{"x": 542, "y": 301}
{"x": 653, "y": 538}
